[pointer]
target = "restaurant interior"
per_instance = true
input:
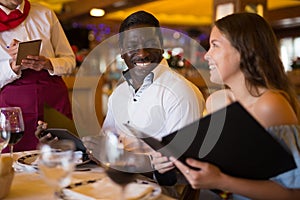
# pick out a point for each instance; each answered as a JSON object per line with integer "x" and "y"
{"x": 192, "y": 18}
{"x": 91, "y": 24}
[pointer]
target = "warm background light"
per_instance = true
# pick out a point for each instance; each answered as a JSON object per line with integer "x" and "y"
{"x": 185, "y": 13}
{"x": 97, "y": 12}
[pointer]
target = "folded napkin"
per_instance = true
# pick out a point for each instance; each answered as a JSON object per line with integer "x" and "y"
{"x": 106, "y": 189}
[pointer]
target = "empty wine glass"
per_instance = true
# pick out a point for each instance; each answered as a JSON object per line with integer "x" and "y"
{"x": 4, "y": 133}
{"x": 56, "y": 164}
{"x": 15, "y": 118}
{"x": 120, "y": 165}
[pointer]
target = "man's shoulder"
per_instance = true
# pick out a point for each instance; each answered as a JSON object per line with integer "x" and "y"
{"x": 168, "y": 74}
{"x": 179, "y": 81}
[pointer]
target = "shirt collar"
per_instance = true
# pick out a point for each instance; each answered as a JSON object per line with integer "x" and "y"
{"x": 148, "y": 79}
{"x": 19, "y": 7}
{"x": 156, "y": 72}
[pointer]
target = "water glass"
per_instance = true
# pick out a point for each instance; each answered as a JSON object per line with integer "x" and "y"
{"x": 4, "y": 133}
{"x": 56, "y": 164}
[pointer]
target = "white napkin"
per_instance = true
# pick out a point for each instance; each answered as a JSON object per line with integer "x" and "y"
{"x": 106, "y": 189}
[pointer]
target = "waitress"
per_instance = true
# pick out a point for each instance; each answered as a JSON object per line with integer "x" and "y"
{"x": 37, "y": 81}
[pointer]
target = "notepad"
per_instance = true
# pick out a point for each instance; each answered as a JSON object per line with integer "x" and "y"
{"x": 231, "y": 139}
{"x": 28, "y": 48}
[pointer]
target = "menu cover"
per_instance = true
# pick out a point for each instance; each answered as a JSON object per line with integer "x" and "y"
{"x": 28, "y": 48}
{"x": 231, "y": 139}
{"x": 56, "y": 119}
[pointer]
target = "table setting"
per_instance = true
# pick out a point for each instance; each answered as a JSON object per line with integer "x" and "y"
{"x": 87, "y": 181}
{"x": 58, "y": 170}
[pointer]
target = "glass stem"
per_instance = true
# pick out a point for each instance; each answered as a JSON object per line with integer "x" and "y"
{"x": 11, "y": 150}
{"x": 122, "y": 195}
{"x": 59, "y": 194}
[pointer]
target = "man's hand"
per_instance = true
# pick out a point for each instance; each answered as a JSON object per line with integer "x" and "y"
{"x": 45, "y": 138}
{"x": 161, "y": 163}
{"x": 92, "y": 144}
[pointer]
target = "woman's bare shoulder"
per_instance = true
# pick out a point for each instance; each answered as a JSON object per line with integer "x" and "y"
{"x": 272, "y": 109}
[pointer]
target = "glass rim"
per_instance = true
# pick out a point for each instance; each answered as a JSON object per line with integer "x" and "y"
{"x": 10, "y": 108}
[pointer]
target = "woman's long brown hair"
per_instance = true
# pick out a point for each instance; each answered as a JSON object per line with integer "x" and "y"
{"x": 256, "y": 42}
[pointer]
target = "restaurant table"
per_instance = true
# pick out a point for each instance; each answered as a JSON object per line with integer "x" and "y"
{"x": 29, "y": 185}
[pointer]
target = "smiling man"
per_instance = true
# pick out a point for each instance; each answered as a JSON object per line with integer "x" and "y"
{"x": 153, "y": 98}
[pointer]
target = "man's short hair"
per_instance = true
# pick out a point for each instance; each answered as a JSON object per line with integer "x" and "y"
{"x": 139, "y": 18}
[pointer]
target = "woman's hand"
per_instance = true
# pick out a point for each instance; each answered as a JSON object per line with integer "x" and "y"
{"x": 161, "y": 163}
{"x": 45, "y": 138}
{"x": 208, "y": 176}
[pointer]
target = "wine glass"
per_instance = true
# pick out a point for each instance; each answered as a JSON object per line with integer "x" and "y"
{"x": 120, "y": 165}
{"x": 15, "y": 118}
{"x": 4, "y": 133}
{"x": 56, "y": 164}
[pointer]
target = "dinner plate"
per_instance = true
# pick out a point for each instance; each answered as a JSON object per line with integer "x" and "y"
{"x": 31, "y": 160}
{"x": 28, "y": 159}
{"x": 156, "y": 192}
{"x": 81, "y": 190}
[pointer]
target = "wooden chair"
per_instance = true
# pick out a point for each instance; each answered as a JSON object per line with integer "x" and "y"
{"x": 189, "y": 193}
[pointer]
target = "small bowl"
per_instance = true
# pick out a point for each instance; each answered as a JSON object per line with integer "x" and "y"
{"x": 5, "y": 182}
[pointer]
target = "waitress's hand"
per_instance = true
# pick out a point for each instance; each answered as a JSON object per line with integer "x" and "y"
{"x": 12, "y": 50}
{"x": 37, "y": 63}
{"x": 161, "y": 163}
{"x": 40, "y": 133}
{"x": 207, "y": 177}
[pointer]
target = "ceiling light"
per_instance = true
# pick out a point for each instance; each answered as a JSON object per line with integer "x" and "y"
{"x": 97, "y": 12}
{"x": 119, "y": 4}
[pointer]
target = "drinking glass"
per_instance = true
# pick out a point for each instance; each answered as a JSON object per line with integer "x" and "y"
{"x": 120, "y": 165}
{"x": 56, "y": 164}
{"x": 15, "y": 118}
{"x": 4, "y": 133}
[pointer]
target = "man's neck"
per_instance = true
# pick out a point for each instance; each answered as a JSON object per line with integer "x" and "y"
{"x": 10, "y": 5}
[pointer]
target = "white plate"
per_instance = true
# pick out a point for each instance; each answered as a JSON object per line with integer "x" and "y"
{"x": 74, "y": 190}
{"x": 28, "y": 160}
{"x": 155, "y": 193}
{"x": 31, "y": 160}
